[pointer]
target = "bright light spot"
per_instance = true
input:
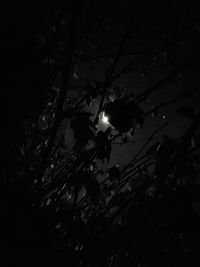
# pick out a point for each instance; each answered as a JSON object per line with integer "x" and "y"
{"x": 52, "y": 166}
{"x": 105, "y": 119}
{"x": 48, "y": 202}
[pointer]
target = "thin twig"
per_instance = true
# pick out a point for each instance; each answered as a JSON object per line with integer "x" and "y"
{"x": 144, "y": 145}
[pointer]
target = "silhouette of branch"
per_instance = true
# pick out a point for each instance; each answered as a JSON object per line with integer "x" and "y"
{"x": 182, "y": 95}
{"x": 143, "y": 147}
{"x": 167, "y": 79}
{"x": 62, "y": 93}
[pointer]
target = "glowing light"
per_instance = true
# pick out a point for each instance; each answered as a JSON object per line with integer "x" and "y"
{"x": 105, "y": 119}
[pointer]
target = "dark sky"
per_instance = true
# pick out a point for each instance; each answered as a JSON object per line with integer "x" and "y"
{"x": 25, "y": 79}
{"x": 167, "y": 20}
{"x": 22, "y": 82}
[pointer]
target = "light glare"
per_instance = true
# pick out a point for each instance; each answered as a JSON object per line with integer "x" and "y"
{"x": 105, "y": 118}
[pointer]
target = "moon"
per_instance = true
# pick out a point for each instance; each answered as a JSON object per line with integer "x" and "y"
{"x": 105, "y": 119}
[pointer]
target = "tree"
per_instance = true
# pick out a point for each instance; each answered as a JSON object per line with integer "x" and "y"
{"x": 136, "y": 214}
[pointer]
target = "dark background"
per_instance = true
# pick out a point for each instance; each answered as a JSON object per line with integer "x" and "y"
{"x": 24, "y": 79}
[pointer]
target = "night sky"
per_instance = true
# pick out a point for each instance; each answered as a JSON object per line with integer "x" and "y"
{"x": 25, "y": 78}
{"x": 173, "y": 22}
{"x": 166, "y": 34}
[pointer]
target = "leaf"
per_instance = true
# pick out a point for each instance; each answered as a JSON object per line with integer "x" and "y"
{"x": 92, "y": 187}
{"x": 124, "y": 114}
{"x": 154, "y": 112}
{"x": 84, "y": 178}
{"x": 125, "y": 138}
{"x": 83, "y": 128}
{"x": 22, "y": 150}
{"x": 103, "y": 146}
{"x": 88, "y": 100}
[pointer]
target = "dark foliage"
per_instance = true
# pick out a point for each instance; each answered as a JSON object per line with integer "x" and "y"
{"x": 124, "y": 114}
{"x": 62, "y": 208}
